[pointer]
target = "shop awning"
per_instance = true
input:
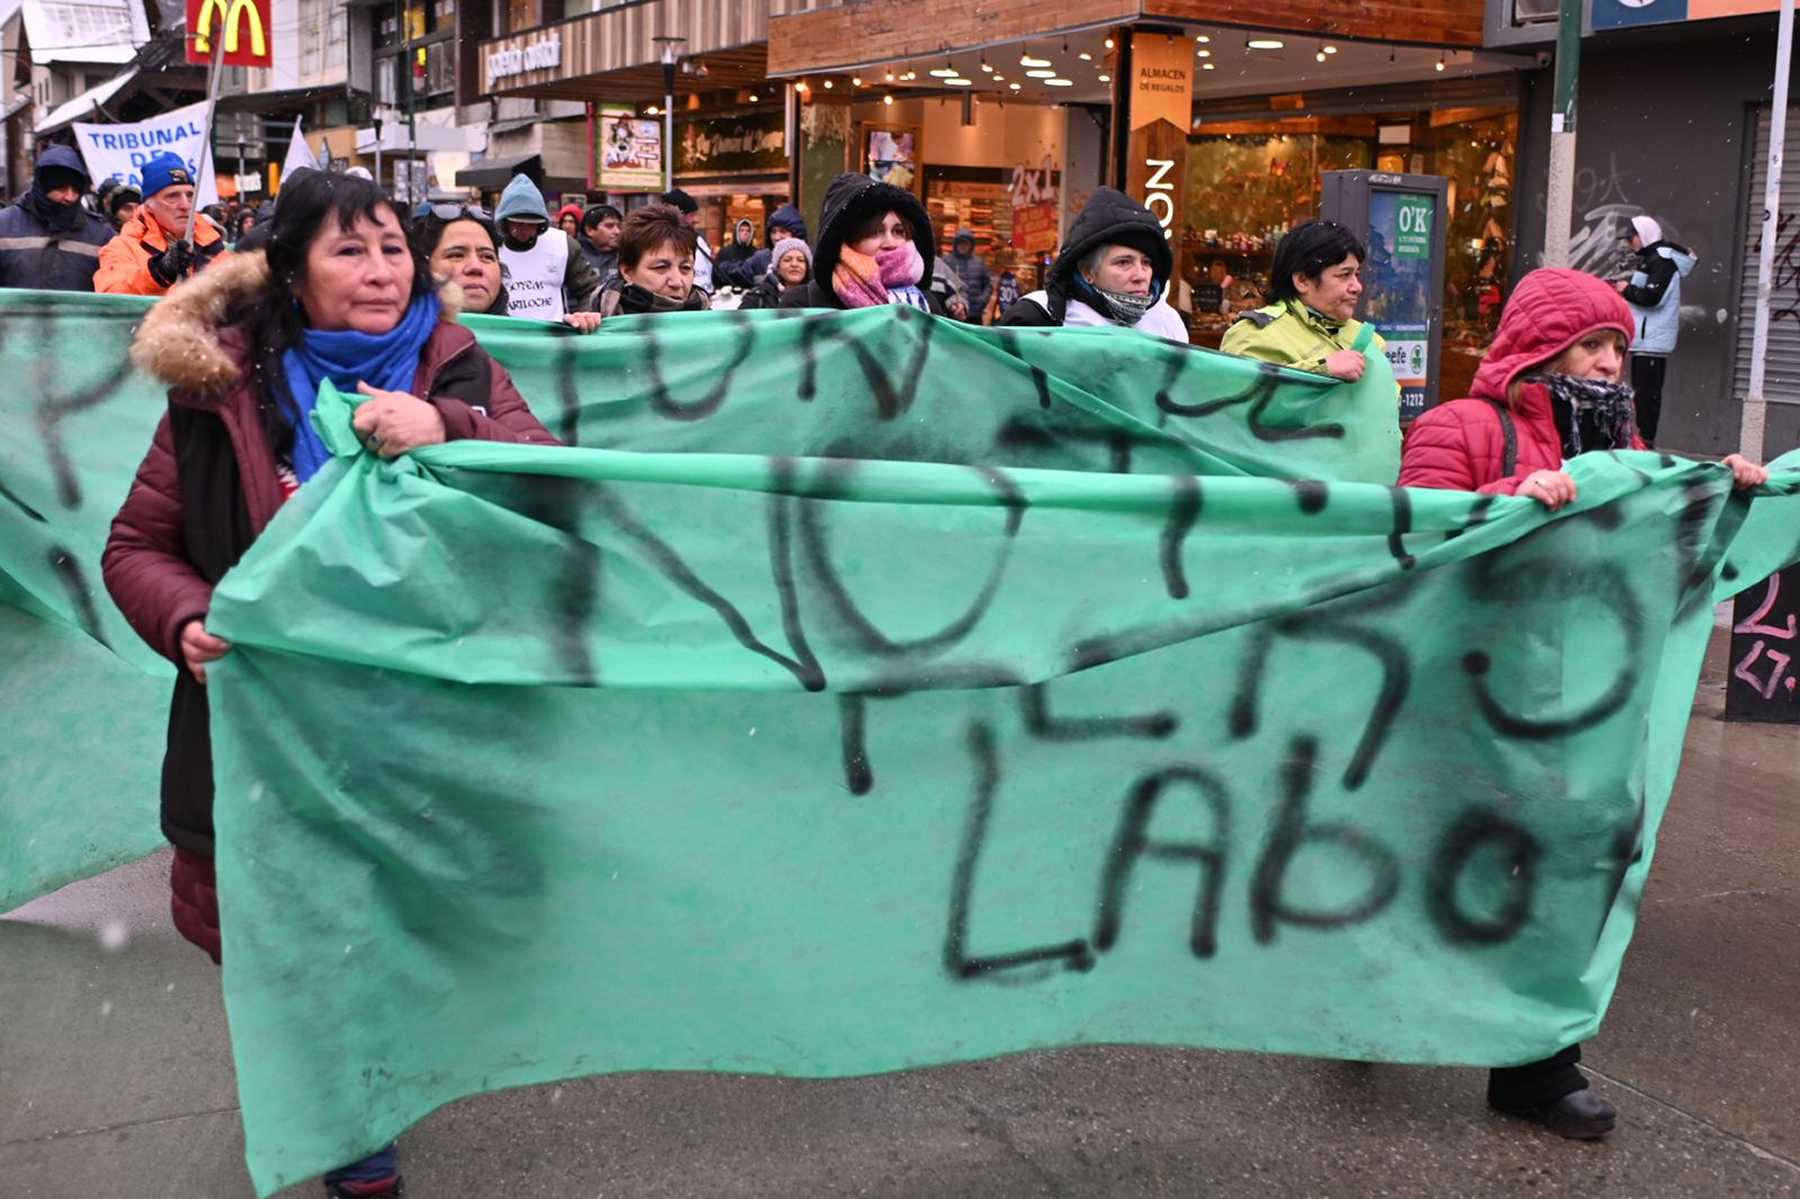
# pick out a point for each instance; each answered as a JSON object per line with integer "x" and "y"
{"x": 496, "y": 173}
{"x": 85, "y": 105}
{"x": 292, "y": 101}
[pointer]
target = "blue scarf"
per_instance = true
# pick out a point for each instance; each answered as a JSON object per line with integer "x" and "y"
{"x": 385, "y": 360}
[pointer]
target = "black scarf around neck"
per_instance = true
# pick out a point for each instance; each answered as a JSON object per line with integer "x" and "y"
{"x": 634, "y": 299}
{"x": 58, "y": 218}
{"x": 1591, "y": 414}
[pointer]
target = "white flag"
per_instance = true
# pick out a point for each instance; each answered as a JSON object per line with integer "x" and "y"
{"x": 299, "y": 154}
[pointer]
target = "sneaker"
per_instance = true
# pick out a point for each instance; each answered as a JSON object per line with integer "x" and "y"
{"x": 395, "y": 1188}
{"x": 1582, "y": 1115}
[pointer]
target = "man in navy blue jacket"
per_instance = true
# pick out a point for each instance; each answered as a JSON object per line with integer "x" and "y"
{"x": 48, "y": 240}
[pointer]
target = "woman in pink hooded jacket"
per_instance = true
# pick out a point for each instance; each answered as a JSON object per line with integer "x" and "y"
{"x": 1548, "y": 389}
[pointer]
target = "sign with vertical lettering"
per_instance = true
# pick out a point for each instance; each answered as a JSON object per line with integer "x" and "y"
{"x": 1161, "y": 97}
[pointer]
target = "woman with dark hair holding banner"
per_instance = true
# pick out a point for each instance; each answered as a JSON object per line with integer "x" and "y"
{"x": 340, "y": 295}
{"x": 1310, "y": 321}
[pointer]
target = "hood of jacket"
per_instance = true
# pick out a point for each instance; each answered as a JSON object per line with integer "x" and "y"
{"x": 1548, "y": 312}
{"x": 1680, "y": 255}
{"x": 852, "y": 198}
{"x": 521, "y": 201}
{"x": 65, "y": 158}
{"x": 787, "y": 217}
{"x": 1114, "y": 218}
{"x": 180, "y": 340}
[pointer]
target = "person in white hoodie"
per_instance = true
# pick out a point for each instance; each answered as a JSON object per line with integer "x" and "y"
{"x": 1112, "y": 270}
{"x": 1654, "y": 293}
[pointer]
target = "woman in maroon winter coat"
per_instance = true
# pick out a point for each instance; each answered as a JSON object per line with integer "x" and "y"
{"x": 342, "y": 295}
{"x": 1547, "y": 390}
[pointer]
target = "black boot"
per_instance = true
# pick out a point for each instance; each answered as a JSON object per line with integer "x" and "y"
{"x": 1582, "y": 1115}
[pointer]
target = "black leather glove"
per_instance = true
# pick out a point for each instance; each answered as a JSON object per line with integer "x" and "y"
{"x": 170, "y": 265}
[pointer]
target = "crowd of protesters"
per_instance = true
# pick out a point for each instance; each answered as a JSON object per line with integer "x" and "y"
{"x": 335, "y": 280}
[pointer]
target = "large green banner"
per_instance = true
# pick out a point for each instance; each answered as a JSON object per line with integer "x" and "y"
{"x": 877, "y": 692}
{"x": 78, "y": 419}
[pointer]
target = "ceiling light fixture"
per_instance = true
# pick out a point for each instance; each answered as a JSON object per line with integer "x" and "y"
{"x": 986, "y": 67}
{"x": 1203, "y": 53}
{"x": 1264, "y": 43}
{"x": 828, "y": 85}
{"x": 1330, "y": 49}
{"x": 960, "y": 82}
{"x": 1440, "y": 62}
{"x": 1206, "y": 66}
{"x": 1025, "y": 60}
{"x": 1202, "y": 38}
{"x": 945, "y": 71}
{"x": 1013, "y": 86}
{"x": 1041, "y": 73}
{"x": 1084, "y": 56}
{"x": 753, "y": 97}
{"x": 652, "y": 111}
{"x": 1104, "y": 78}
{"x": 801, "y": 86}
{"x": 887, "y": 99}
{"x": 890, "y": 76}
{"x": 1109, "y": 44}
{"x": 1319, "y": 57}
{"x": 856, "y": 81}
{"x": 1059, "y": 83}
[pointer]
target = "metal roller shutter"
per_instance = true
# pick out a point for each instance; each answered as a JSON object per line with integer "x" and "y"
{"x": 1782, "y": 381}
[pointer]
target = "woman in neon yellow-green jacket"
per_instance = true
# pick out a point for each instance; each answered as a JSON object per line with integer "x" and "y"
{"x": 1310, "y": 322}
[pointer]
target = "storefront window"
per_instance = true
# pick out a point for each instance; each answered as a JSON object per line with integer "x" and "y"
{"x": 1245, "y": 188}
{"x": 1477, "y": 156}
{"x": 1249, "y": 182}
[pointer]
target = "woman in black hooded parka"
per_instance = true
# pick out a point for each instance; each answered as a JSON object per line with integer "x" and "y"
{"x": 1113, "y": 270}
{"x": 875, "y": 247}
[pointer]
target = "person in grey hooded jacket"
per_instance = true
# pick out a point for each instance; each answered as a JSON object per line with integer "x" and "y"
{"x": 547, "y": 275}
{"x": 1654, "y": 293}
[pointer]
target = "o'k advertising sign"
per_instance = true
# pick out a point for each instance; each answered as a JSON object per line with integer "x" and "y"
{"x": 1412, "y": 226}
{"x": 120, "y": 151}
{"x": 629, "y": 156}
{"x": 245, "y": 26}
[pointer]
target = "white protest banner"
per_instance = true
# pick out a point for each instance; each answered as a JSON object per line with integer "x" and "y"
{"x": 120, "y": 151}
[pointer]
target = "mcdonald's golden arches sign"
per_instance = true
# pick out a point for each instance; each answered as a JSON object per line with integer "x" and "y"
{"x": 246, "y": 26}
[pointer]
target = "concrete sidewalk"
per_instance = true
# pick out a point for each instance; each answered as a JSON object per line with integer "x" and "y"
{"x": 115, "y": 1075}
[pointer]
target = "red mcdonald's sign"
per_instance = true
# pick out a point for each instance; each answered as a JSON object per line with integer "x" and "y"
{"x": 246, "y": 27}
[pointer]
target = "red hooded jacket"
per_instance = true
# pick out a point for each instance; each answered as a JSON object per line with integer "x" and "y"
{"x": 1461, "y": 446}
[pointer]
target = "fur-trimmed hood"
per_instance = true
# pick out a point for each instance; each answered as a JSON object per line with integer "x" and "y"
{"x": 184, "y": 342}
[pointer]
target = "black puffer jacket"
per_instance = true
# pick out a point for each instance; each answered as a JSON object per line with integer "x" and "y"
{"x": 1110, "y": 218}
{"x": 52, "y": 247}
{"x": 849, "y": 200}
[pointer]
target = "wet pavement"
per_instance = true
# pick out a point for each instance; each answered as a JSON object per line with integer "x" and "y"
{"x": 115, "y": 1075}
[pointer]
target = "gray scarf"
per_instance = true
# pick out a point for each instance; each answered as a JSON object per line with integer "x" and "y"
{"x": 1127, "y": 308}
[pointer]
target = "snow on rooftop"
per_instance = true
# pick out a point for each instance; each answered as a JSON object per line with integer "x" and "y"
{"x": 78, "y": 30}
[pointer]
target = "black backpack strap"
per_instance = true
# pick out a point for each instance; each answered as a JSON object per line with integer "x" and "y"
{"x": 1509, "y": 464}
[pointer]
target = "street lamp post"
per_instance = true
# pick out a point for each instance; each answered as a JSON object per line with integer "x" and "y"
{"x": 669, "y": 51}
